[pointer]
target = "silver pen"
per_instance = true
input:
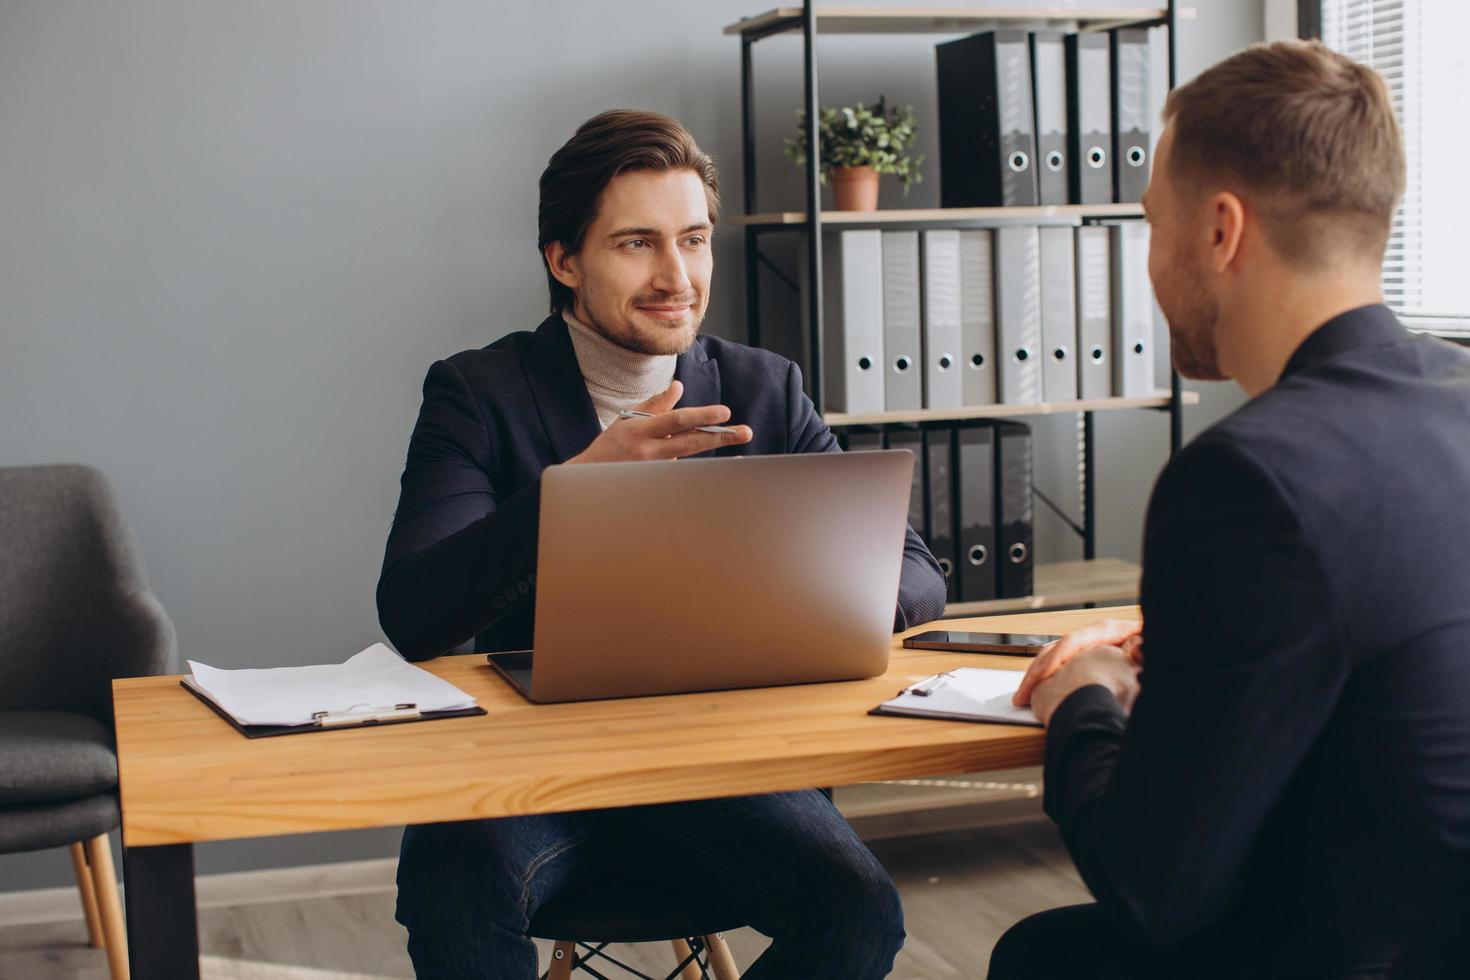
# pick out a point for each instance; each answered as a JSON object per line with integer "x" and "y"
{"x": 927, "y": 686}
{"x": 719, "y": 430}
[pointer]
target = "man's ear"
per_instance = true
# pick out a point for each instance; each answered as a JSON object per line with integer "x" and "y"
{"x": 563, "y": 264}
{"x": 1227, "y": 226}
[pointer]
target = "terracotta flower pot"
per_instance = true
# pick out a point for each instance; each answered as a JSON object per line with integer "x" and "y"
{"x": 855, "y": 189}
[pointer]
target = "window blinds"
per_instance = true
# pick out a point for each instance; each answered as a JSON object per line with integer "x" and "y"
{"x": 1420, "y": 48}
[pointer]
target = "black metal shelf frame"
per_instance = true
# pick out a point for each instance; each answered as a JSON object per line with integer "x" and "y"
{"x": 754, "y": 258}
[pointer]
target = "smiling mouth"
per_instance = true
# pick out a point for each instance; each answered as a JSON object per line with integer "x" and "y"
{"x": 667, "y": 312}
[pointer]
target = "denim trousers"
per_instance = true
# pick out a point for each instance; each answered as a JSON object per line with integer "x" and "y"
{"x": 786, "y": 864}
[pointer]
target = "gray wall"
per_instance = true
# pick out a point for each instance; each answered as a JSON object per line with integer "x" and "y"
{"x": 234, "y": 235}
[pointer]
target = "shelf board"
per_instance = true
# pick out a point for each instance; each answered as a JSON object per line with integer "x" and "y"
{"x": 1160, "y": 399}
{"x": 942, "y": 20}
{"x": 960, "y": 801}
{"x": 1064, "y": 583}
{"x": 1068, "y": 213}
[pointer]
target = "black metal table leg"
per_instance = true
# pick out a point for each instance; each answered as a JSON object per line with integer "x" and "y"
{"x": 1089, "y": 488}
{"x": 163, "y": 927}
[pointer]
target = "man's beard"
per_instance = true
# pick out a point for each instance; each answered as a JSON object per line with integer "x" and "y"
{"x": 1192, "y": 315}
{"x": 657, "y": 343}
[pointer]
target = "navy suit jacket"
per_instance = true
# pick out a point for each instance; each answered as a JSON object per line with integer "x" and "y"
{"x": 1291, "y": 795}
{"x": 461, "y": 556}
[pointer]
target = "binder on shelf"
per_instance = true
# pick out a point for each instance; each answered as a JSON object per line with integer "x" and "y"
{"x": 913, "y": 441}
{"x": 976, "y": 513}
{"x": 1094, "y": 312}
{"x": 939, "y": 487}
{"x": 1018, "y": 313}
{"x": 1049, "y": 72}
{"x": 1058, "y": 315}
{"x": 1014, "y": 512}
{"x": 1131, "y": 99}
{"x": 1133, "y": 312}
{"x": 977, "y": 317}
{"x": 987, "y": 136}
{"x": 1158, "y": 84}
{"x": 852, "y": 320}
{"x": 1089, "y": 119}
{"x": 903, "y": 384}
{"x": 943, "y": 377}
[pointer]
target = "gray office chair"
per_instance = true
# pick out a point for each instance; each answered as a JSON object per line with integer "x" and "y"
{"x": 75, "y": 612}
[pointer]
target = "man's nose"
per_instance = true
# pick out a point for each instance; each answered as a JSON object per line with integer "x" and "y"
{"x": 670, "y": 275}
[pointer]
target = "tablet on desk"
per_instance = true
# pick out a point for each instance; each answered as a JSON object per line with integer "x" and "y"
{"x": 960, "y": 641}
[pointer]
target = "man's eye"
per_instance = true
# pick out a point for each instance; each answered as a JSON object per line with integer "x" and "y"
{"x": 635, "y": 244}
{"x": 696, "y": 241}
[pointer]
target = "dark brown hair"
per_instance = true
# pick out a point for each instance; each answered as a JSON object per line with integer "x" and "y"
{"x": 1307, "y": 133}
{"x": 614, "y": 142}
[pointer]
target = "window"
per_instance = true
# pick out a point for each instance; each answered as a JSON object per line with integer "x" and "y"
{"x": 1420, "y": 48}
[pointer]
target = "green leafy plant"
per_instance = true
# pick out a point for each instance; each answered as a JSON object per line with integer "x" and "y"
{"x": 858, "y": 136}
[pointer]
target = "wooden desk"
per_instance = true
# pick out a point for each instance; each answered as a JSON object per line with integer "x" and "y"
{"x": 186, "y": 776}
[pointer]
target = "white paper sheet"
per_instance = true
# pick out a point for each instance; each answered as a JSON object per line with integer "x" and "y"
{"x": 377, "y": 679}
{"x": 966, "y": 694}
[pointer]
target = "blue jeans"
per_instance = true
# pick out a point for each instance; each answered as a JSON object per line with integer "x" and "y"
{"x": 785, "y": 864}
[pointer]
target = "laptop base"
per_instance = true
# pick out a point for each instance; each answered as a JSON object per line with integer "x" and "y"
{"x": 514, "y": 666}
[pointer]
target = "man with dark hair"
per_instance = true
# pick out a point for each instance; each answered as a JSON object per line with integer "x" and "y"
{"x": 1283, "y": 788}
{"x": 628, "y": 207}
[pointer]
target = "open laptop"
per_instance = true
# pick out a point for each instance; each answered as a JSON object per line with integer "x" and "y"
{"x": 707, "y": 574}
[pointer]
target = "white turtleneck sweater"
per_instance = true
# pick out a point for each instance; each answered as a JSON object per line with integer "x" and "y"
{"x": 617, "y": 378}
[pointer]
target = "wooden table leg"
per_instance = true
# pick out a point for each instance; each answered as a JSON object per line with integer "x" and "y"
{"x": 163, "y": 926}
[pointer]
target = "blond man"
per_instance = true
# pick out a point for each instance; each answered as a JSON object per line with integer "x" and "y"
{"x": 1271, "y": 775}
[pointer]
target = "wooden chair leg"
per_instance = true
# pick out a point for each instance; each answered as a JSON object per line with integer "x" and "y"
{"x": 563, "y": 954}
{"x": 721, "y": 963}
{"x": 109, "y": 907}
{"x": 682, "y": 952}
{"x": 88, "y": 894}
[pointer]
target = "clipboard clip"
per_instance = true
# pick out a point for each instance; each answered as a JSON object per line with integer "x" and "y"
{"x": 927, "y": 686}
{"x": 340, "y": 719}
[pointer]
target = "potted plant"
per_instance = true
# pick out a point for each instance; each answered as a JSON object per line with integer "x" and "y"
{"x": 859, "y": 144}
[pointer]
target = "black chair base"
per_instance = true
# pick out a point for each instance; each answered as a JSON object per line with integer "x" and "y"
{"x": 584, "y": 955}
{"x": 586, "y": 920}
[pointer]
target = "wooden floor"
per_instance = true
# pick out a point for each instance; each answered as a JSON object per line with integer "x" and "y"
{"x": 960, "y": 889}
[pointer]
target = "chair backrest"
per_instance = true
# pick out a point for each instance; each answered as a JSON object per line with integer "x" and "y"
{"x": 75, "y": 610}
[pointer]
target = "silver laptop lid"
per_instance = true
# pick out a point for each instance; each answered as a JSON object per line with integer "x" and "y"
{"x": 704, "y": 574}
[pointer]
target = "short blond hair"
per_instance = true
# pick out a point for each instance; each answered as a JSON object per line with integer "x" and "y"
{"x": 1308, "y": 134}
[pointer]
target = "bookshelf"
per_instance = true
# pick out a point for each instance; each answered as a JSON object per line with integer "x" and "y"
{"x": 1092, "y": 580}
{"x": 1160, "y": 400}
{"x": 1064, "y": 585}
{"x": 944, "y": 20}
{"x": 1055, "y": 214}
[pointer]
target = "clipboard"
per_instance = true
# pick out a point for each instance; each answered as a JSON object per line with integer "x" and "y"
{"x": 325, "y": 722}
{"x": 977, "y": 694}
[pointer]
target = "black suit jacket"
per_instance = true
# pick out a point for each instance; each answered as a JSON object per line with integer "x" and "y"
{"x": 461, "y": 557}
{"x": 1291, "y": 795}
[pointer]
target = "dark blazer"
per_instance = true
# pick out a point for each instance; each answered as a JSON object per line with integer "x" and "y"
{"x": 461, "y": 557}
{"x": 1291, "y": 795}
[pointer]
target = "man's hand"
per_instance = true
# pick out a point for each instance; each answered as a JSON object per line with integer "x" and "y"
{"x": 668, "y": 435}
{"x": 1127, "y": 633}
{"x": 1109, "y": 666}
